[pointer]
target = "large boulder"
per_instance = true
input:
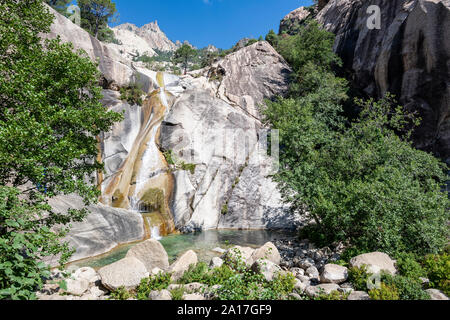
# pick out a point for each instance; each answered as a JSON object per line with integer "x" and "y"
{"x": 408, "y": 56}
{"x": 333, "y": 273}
{"x": 101, "y": 231}
{"x": 436, "y": 294}
{"x": 115, "y": 69}
{"x": 151, "y": 253}
{"x": 239, "y": 254}
{"x": 375, "y": 262}
{"x": 358, "y": 295}
{"x": 327, "y": 288}
{"x": 292, "y": 21}
{"x": 86, "y": 273}
{"x": 127, "y": 273}
{"x": 77, "y": 287}
{"x": 267, "y": 268}
{"x": 179, "y": 267}
{"x": 267, "y": 252}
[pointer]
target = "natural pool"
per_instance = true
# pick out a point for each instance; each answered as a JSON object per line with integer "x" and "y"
{"x": 202, "y": 243}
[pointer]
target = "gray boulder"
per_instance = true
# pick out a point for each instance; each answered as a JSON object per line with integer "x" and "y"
{"x": 151, "y": 253}
{"x": 163, "y": 295}
{"x": 375, "y": 262}
{"x": 77, "y": 287}
{"x": 267, "y": 268}
{"x": 327, "y": 288}
{"x": 267, "y": 252}
{"x": 358, "y": 295}
{"x": 179, "y": 267}
{"x": 333, "y": 273}
{"x": 127, "y": 273}
{"x": 436, "y": 294}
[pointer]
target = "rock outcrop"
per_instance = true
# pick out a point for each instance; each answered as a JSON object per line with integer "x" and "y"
{"x": 408, "y": 56}
{"x": 215, "y": 125}
{"x": 151, "y": 253}
{"x": 375, "y": 262}
{"x": 116, "y": 70}
{"x": 151, "y": 33}
{"x": 102, "y": 230}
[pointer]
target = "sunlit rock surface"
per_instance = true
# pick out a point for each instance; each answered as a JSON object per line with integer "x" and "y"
{"x": 407, "y": 56}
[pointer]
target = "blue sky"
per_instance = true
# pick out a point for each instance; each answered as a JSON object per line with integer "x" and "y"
{"x": 203, "y": 22}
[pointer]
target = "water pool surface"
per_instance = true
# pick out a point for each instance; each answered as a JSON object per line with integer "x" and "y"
{"x": 202, "y": 243}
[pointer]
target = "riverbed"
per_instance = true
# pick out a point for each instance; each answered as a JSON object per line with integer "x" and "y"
{"x": 203, "y": 243}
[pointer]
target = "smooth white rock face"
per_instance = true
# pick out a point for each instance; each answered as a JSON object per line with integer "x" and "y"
{"x": 151, "y": 253}
{"x": 327, "y": 288}
{"x": 375, "y": 261}
{"x": 333, "y": 273}
{"x": 436, "y": 294}
{"x": 182, "y": 264}
{"x": 103, "y": 229}
{"x": 127, "y": 273}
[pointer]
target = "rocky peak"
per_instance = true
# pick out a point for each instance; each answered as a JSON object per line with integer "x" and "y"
{"x": 293, "y": 20}
{"x": 151, "y": 34}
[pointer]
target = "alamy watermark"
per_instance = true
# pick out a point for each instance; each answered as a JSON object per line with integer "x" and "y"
{"x": 374, "y": 20}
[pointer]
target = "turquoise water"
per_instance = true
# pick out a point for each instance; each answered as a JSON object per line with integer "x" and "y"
{"x": 202, "y": 243}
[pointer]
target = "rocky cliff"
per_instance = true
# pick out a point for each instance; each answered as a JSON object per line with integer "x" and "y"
{"x": 407, "y": 56}
{"x": 192, "y": 157}
{"x": 150, "y": 33}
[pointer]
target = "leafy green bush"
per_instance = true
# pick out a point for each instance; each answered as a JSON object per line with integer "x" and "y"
{"x": 359, "y": 277}
{"x": 408, "y": 266}
{"x": 157, "y": 282}
{"x": 132, "y": 94}
{"x": 407, "y": 288}
{"x": 177, "y": 294}
{"x": 195, "y": 273}
{"x": 121, "y": 294}
{"x": 385, "y": 292}
{"x": 50, "y": 114}
{"x": 437, "y": 268}
{"x": 334, "y": 295}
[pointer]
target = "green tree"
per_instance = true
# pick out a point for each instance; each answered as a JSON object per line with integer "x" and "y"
{"x": 50, "y": 115}
{"x": 95, "y": 14}
{"x": 361, "y": 182}
{"x": 272, "y": 38}
{"x": 184, "y": 55}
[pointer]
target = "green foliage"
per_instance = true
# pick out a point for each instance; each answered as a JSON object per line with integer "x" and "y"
{"x": 359, "y": 278}
{"x": 196, "y": 273}
{"x": 132, "y": 94}
{"x": 107, "y": 35}
{"x": 50, "y": 115}
{"x": 184, "y": 55}
{"x": 247, "y": 285}
{"x": 169, "y": 157}
{"x": 188, "y": 167}
{"x": 272, "y": 38}
{"x": 408, "y": 266}
{"x": 385, "y": 292}
{"x": 177, "y": 294}
{"x": 95, "y": 14}
{"x": 407, "y": 288}
{"x": 157, "y": 282}
{"x": 224, "y": 210}
{"x": 121, "y": 294}
{"x": 437, "y": 268}
{"x": 334, "y": 295}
